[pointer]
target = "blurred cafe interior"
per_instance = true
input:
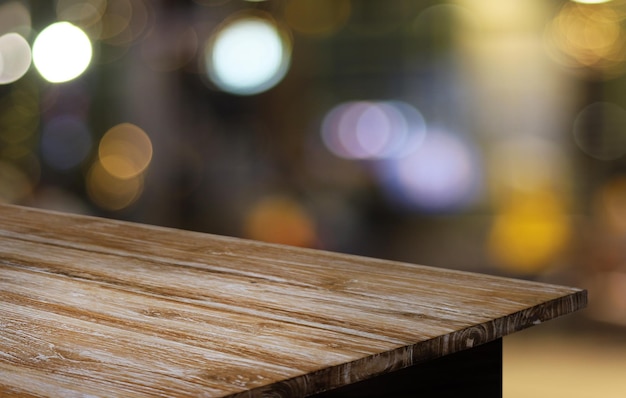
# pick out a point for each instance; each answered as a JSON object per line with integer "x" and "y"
{"x": 487, "y": 136}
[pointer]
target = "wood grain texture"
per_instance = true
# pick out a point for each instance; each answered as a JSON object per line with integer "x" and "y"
{"x": 96, "y": 307}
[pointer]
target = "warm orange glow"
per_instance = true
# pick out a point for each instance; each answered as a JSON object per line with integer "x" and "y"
{"x": 110, "y": 192}
{"x": 529, "y": 233}
{"x": 280, "y": 219}
{"x": 588, "y": 35}
{"x": 125, "y": 151}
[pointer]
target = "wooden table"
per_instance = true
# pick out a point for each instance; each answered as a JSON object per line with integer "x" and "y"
{"x": 95, "y": 307}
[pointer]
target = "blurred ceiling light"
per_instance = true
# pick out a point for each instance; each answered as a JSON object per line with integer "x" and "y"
{"x": 317, "y": 18}
{"x": 503, "y": 15}
{"x": 441, "y": 175}
{"x": 373, "y": 129}
{"x": 61, "y": 52}
{"x": 588, "y": 37}
{"x": 15, "y": 57}
{"x": 357, "y": 130}
{"x": 280, "y": 219}
{"x": 110, "y": 192}
{"x": 529, "y": 233}
{"x": 591, "y": 1}
{"x": 248, "y": 55}
{"x": 125, "y": 151}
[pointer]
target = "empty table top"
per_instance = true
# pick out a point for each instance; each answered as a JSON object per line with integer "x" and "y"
{"x": 99, "y": 307}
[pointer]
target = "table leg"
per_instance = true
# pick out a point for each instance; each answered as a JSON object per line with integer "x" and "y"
{"x": 473, "y": 372}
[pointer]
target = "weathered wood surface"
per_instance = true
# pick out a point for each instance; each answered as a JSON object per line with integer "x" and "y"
{"x": 95, "y": 307}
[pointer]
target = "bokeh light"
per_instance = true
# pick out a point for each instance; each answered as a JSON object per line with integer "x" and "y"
{"x": 600, "y": 130}
{"x": 125, "y": 151}
{"x": 280, "y": 219}
{"x": 65, "y": 142}
{"x": 116, "y": 22}
{"x": 588, "y": 37}
{"x": 15, "y": 57}
{"x": 126, "y": 21}
{"x": 248, "y": 55}
{"x": 373, "y": 130}
{"x": 529, "y": 232}
{"x": 114, "y": 25}
{"x": 442, "y": 175}
{"x": 317, "y": 18}
{"x": 116, "y": 178}
{"x": 591, "y": 1}
{"x": 498, "y": 17}
{"x": 82, "y": 13}
{"x": 110, "y": 192}
{"x": 61, "y": 52}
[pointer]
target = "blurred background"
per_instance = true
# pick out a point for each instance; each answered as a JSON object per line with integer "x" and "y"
{"x": 486, "y": 136}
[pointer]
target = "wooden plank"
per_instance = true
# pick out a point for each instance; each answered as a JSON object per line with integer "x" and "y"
{"x": 99, "y": 307}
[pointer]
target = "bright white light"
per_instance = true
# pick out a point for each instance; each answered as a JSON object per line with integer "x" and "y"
{"x": 14, "y": 57}
{"x": 61, "y": 52}
{"x": 247, "y": 57}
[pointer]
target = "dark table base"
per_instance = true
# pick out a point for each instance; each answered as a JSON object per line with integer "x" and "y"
{"x": 475, "y": 372}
